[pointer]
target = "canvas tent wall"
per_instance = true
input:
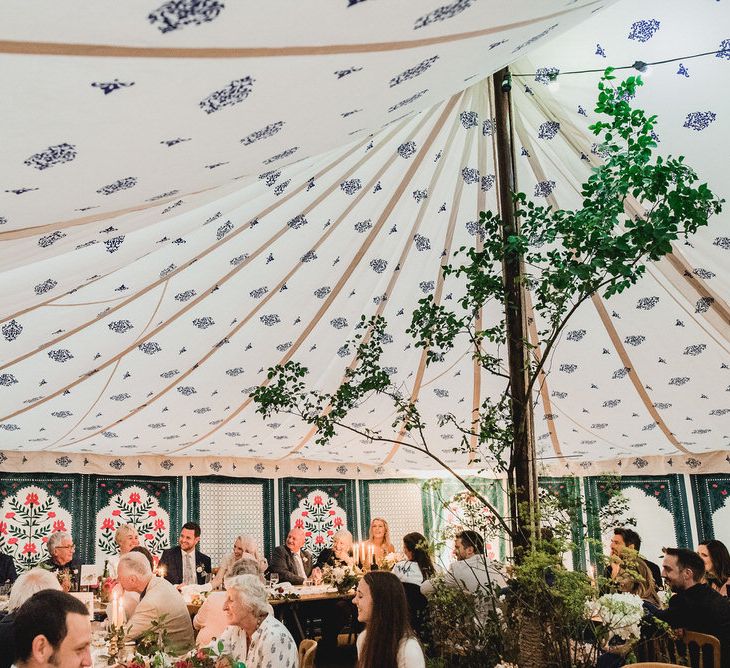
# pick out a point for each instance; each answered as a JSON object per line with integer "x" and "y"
{"x": 187, "y": 202}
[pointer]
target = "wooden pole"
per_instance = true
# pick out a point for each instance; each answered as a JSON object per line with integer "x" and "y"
{"x": 523, "y": 493}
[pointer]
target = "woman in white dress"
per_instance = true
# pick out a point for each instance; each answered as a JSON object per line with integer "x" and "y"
{"x": 388, "y": 640}
{"x": 244, "y": 544}
{"x": 417, "y": 566}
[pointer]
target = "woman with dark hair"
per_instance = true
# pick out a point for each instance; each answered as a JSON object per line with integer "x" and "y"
{"x": 418, "y": 565}
{"x": 717, "y": 565}
{"x": 387, "y": 641}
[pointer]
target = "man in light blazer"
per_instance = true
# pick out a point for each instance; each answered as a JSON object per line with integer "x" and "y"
{"x": 185, "y": 563}
{"x": 290, "y": 561}
{"x": 157, "y": 597}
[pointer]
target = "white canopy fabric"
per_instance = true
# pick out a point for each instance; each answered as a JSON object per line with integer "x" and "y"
{"x": 192, "y": 194}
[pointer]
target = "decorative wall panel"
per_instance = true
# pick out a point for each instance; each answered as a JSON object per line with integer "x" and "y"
{"x": 229, "y": 507}
{"x": 32, "y": 507}
{"x": 710, "y": 494}
{"x": 657, "y": 503}
{"x": 449, "y": 507}
{"x": 567, "y": 490}
{"x": 152, "y": 505}
{"x": 400, "y": 502}
{"x": 320, "y": 507}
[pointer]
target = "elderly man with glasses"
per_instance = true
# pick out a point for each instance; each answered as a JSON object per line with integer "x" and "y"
{"x": 61, "y": 560}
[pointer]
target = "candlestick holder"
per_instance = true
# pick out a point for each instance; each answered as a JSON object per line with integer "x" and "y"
{"x": 115, "y": 643}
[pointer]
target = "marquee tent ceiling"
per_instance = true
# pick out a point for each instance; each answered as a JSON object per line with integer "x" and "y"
{"x": 180, "y": 212}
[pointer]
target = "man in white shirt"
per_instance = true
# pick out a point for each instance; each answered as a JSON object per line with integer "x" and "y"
{"x": 52, "y": 630}
{"x": 472, "y": 570}
{"x": 157, "y": 598}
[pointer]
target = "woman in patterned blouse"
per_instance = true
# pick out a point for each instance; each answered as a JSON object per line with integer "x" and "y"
{"x": 255, "y": 636}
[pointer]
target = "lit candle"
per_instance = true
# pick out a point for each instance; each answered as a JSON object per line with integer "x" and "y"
{"x": 115, "y": 609}
{"x": 120, "y": 614}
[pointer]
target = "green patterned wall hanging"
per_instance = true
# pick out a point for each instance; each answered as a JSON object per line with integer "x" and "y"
{"x": 668, "y": 493}
{"x": 567, "y": 491}
{"x": 444, "y": 511}
{"x": 152, "y": 505}
{"x": 710, "y": 494}
{"x": 32, "y": 507}
{"x": 228, "y": 507}
{"x": 320, "y": 507}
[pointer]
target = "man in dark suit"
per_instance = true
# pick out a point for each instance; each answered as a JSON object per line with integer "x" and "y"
{"x": 695, "y": 606}
{"x": 185, "y": 564}
{"x": 290, "y": 561}
{"x": 623, "y": 538}
{"x": 61, "y": 560}
{"x": 7, "y": 570}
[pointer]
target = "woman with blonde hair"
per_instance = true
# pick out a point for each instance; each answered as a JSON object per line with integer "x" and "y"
{"x": 379, "y": 540}
{"x": 242, "y": 545}
{"x": 635, "y": 577}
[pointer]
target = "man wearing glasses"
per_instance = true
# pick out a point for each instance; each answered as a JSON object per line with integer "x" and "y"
{"x": 61, "y": 560}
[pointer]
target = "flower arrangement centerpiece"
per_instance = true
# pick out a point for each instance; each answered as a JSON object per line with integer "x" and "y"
{"x": 390, "y": 560}
{"x": 619, "y": 614}
{"x": 343, "y": 578}
{"x": 205, "y": 657}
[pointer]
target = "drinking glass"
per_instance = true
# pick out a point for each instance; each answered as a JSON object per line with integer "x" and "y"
{"x": 274, "y": 579}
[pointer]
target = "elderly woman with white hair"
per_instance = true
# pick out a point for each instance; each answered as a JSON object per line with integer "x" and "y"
{"x": 245, "y": 544}
{"x": 255, "y": 636}
{"x": 211, "y": 620}
{"x": 29, "y": 583}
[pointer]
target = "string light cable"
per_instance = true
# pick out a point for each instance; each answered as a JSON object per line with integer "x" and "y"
{"x": 638, "y": 65}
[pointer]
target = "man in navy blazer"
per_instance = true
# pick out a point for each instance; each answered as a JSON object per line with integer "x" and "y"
{"x": 7, "y": 570}
{"x": 185, "y": 564}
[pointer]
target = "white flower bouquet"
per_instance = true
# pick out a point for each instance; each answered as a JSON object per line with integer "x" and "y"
{"x": 390, "y": 560}
{"x": 620, "y": 614}
{"x": 343, "y": 578}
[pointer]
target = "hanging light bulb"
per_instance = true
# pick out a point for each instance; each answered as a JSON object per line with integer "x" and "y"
{"x": 641, "y": 66}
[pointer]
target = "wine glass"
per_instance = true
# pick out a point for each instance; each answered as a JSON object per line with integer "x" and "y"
{"x": 274, "y": 579}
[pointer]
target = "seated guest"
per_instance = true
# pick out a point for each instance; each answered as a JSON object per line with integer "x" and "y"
{"x": 472, "y": 570}
{"x": 157, "y": 597}
{"x": 130, "y": 599}
{"x": 29, "y": 583}
{"x": 185, "y": 564}
{"x": 695, "y": 606}
{"x": 61, "y": 560}
{"x": 212, "y": 619}
{"x": 628, "y": 538}
{"x": 378, "y": 540}
{"x": 8, "y": 574}
{"x": 418, "y": 565}
{"x": 244, "y": 544}
{"x": 52, "y": 630}
{"x": 340, "y": 554}
{"x": 254, "y": 635}
{"x": 126, "y": 537}
{"x": 387, "y": 641}
{"x": 635, "y": 577}
{"x": 290, "y": 561}
{"x": 717, "y": 565}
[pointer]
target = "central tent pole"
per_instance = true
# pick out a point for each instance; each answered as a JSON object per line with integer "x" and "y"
{"x": 522, "y": 475}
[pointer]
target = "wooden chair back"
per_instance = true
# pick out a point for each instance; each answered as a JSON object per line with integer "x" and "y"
{"x": 307, "y": 653}
{"x": 654, "y": 664}
{"x": 704, "y": 642}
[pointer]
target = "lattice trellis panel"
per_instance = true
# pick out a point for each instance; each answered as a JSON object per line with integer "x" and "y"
{"x": 228, "y": 507}
{"x": 400, "y": 502}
